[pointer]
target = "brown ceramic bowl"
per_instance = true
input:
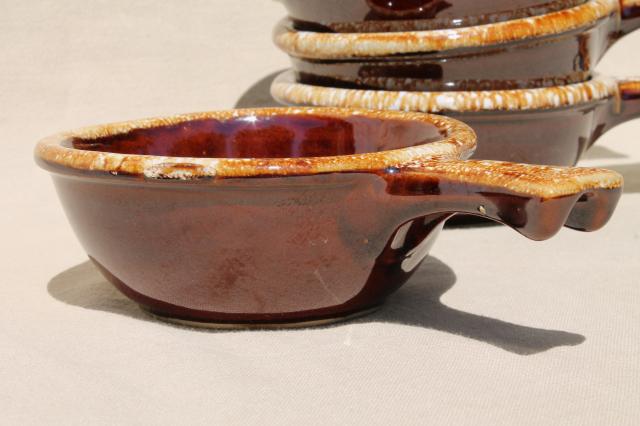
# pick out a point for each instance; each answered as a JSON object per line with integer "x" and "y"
{"x": 547, "y": 50}
{"x": 287, "y": 216}
{"x": 406, "y": 15}
{"x": 538, "y": 126}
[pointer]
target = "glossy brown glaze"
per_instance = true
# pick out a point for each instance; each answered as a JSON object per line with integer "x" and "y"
{"x": 288, "y": 248}
{"x": 405, "y": 15}
{"x": 252, "y": 251}
{"x": 266, "y": 137}
{"x": 563, "y": 59}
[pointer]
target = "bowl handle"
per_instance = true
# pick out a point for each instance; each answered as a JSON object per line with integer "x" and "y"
{"x": 629, "y": 100}
{"x": 630, "y": 12}
{"x": 534, "y": 200}
{"x": 624, "y": 106}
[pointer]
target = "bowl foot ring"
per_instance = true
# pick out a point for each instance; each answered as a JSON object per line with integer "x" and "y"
{"x": 257, "y": 325}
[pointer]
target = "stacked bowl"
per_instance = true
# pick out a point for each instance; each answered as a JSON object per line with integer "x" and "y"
{"x": 519, "y": 72}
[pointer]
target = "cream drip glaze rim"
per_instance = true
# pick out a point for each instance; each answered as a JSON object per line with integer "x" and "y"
{"x": 53, "y": 152}
{"x": 285, "y": 89}
{"x": 443, "y": 159}
{"x": 314, "y": 45}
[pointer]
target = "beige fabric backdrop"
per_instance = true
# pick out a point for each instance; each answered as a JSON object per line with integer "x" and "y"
{"x": 494, "y": 329}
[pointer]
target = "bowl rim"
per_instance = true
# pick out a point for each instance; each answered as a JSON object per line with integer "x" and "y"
{"x": 285, "y": 88}
{"x": 458, "y": 142}
{"x": 315, "y": 45}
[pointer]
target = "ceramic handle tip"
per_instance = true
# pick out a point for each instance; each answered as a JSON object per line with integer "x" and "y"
{"x": 630, "y": 14}
{"x": 534, "y": 200}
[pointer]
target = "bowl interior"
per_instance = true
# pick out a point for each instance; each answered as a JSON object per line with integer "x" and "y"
{"x": 271, "y": 136}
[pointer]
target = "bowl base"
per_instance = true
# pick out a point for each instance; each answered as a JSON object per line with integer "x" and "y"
{"x": 257, "y": 325}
